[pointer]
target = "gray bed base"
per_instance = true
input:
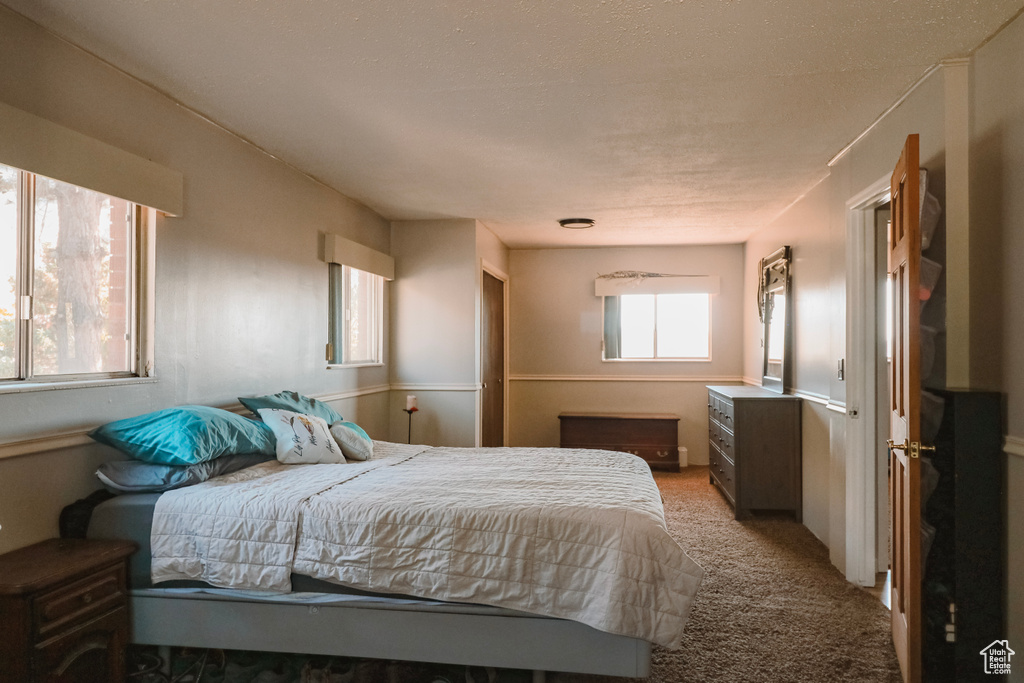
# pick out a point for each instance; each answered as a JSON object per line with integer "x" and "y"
{"x": 421, "y": 632}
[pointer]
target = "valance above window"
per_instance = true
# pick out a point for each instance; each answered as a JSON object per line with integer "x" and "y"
{"x": 345, "y": 252}
{"x": 39, "y": 146}
{"x": 636, "y": 282}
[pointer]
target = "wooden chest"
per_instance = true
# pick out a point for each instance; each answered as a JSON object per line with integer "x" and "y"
{"x": 652, "y": 436}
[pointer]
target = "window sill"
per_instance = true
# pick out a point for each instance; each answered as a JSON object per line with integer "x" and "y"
{"x": 655, "y": 360}
{"x": 342, "y": 366}
{"x": 58, "y": 385}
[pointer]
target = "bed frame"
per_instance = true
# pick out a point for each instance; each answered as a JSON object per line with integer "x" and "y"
{"x": 405, "y": 630}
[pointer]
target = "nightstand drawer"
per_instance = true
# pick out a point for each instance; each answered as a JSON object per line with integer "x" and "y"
{"x": 80, "y": 600}
{"x": 90, "y": 652}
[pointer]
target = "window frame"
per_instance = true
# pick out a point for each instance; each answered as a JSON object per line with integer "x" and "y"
{"x": 655, "y": 358}
{"x": 139, "y": 309}
{"x": 340, "y": 302}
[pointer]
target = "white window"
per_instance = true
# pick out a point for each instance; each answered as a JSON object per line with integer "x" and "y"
{"x": 658, "y": 327}
{"x": 356, "y": 316}
{"x": 69, "y": 281}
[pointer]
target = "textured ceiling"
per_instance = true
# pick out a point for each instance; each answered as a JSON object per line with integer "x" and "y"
{"x": 669, "y": 122}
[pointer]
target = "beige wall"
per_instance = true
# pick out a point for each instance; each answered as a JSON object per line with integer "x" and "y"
{"x": 491, "y": 250}
{"x": 435, "y": 327}
{"x": 433, "y": 330}
{"x": 997, "y": 220}
{"x": 816, "y": 225}
{"x": 241, "y": 296}
{"x": 556, "y": 333}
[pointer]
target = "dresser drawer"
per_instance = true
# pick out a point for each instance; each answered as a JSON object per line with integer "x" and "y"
{"x": 714, "y": 431}
{"x": 727, "y": 443}
{"x": 721, "y": 410}
{"x": 724, "y": 472}
{"x": 726, "y": 412}
{"x": 79, "y": 601}
{"x": 723, "y": 439}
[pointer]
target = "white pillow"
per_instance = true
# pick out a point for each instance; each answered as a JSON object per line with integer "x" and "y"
{"x": 301, "y": 438}
{"x": 354, "y": 442}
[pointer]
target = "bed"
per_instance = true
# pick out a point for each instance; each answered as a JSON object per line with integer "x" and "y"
{"x": 544, "y": 559}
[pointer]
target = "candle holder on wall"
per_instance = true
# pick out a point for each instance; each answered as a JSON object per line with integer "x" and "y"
{"x": 410, "y": 408}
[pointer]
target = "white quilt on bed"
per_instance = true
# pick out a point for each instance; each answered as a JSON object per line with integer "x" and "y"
{"x": 565, "y": 533}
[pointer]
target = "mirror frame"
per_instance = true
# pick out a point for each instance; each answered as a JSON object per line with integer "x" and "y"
{"x": 774, "y": 277}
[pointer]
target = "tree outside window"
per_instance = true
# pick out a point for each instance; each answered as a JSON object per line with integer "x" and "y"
{"x": 67, "y": 276}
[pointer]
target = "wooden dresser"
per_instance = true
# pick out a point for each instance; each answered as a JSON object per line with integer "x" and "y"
{"x": 64, "y": 612}
{"x": 652, "y": 436}
{"x": 755, "y": 450}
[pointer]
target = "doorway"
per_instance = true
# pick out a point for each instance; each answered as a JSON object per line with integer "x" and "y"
{"x": 867, "y": 537}
{"x": 492, "y": 361}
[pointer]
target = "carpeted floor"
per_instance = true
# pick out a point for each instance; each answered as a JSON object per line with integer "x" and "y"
{"x": 772, "y": 608}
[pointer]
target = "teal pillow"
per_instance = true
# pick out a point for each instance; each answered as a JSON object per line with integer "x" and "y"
{"x": 186, "y": 435}
{"x": 355, "y": 443}
{"x": 293, "y": 401}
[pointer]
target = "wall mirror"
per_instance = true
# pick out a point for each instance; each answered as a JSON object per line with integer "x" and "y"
{"x": 775, "y": 308}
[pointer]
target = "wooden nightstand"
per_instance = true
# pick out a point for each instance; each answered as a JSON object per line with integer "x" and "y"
{"x": 64, "y": 611}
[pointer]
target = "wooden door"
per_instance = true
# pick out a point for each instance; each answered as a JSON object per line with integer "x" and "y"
{"x": 492, "y": 355}
{"x": 905, "y": 417}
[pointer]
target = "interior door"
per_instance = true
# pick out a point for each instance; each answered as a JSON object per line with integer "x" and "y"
{"x": 905, "y": 417}
{"x": 492, "y": 354}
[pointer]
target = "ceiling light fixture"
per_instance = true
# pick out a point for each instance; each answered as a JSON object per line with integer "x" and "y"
{"x": 577, "y": 223}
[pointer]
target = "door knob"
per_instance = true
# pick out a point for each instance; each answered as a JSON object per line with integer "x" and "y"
{"x": 893, "y": 446}
{"x": 911, "y": 448}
